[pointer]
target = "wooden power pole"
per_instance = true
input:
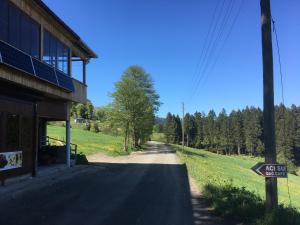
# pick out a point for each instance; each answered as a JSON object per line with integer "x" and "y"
{"x": 268, "y": 114}
{"x": 182, "y": 126}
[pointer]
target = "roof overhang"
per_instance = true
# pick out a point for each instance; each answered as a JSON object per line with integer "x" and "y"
{"x": 79, "y": 42}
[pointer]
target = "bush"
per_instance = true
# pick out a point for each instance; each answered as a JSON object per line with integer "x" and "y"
{"x": 286, "y": 216}
{"x": 233, "y": 202}
{"x": 95, "y": 127}
{"x": 87, "y": 126}
{"x": 81, "y": 159}
{"x": 245, "y": 206}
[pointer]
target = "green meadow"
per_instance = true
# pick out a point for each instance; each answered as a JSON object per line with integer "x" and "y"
{"x": 206, "y": 167}
{"x": 88, "y": 142}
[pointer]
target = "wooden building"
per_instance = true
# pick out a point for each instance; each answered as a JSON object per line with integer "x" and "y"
{"x": 37, "y": 50}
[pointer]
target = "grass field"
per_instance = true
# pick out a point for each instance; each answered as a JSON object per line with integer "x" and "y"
{"x": 89, "y": 142}
{"x": 158, "y": 137}
{"x": 206, "y": 167}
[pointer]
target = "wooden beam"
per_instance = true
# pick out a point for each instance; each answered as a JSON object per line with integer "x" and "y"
{"x": 35, "y": 141}
{"x": 70, "y": 63}
{"x": 84, "y": 72}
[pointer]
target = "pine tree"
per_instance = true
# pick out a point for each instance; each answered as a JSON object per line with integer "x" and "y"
{"x": 238, "y": 130}
{"x": 169, "y": 128}
{"x": 199, "y": 130}
{"x": 210, "y": 130}
{"x": 252, "y": 129}
{"x": 284, "y": 137}
{"x": 187, "y": 124}
{"x": 178, "y": 129}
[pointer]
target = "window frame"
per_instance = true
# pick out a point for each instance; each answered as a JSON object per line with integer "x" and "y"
{"x": 54, "y": 58}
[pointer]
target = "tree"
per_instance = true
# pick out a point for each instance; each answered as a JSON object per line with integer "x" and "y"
{"x": 284, "y": 137}
{"x": 199, "y": 129}
{"x": 238, "y": 130}
{"x": 210, "y": 130}
{"x": 178, "y": 129}
{"x": 169, "y": 128}
{"x": 134, "y": 105}
{"x": 89, "y": 110}
{"x": 102, "y": 114}
{"x": 252, "y": 128}
{"x": 81, "y": 111}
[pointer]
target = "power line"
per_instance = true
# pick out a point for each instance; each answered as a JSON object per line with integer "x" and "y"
{"x": 216, "y": 37}
{"x": 206, "y": 48}
{"x": 217, "y": 40}
{"x": 205, "y": 41}
{"x": 225, "y": 40}
{"x": 283, "y": 102}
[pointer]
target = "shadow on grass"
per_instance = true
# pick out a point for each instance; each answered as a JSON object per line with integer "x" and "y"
{"x": 246, "y": 207}
{"x": 188, "y": 153}
{"x": 194, "y": 154}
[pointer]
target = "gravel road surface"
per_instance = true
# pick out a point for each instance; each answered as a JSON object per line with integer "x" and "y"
{"x": 147, "y": 188}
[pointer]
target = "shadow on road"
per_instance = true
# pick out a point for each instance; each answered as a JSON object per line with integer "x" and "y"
{"x": 113, "y": 194}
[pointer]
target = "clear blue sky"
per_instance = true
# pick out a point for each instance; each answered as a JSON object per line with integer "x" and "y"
{"x": 166, "y": 38}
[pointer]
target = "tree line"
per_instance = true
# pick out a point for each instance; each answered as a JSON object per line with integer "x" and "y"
{"x": 239, "y": 132}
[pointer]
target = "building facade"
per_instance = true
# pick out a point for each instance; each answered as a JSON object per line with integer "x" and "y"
{"x": 37, "y": 51}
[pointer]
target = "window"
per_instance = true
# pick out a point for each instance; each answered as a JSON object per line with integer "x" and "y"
{"x": 4, "y": 20}
{"x": 55, "y": 53}
{"x": 18, "y": 29}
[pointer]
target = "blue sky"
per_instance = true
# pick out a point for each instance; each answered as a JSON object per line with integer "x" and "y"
{"x": 167, "y": 38}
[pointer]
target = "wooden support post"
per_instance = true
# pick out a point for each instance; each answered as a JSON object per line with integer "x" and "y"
{"x": 268, "y": 114}
{"x": 70, "y": 63}
{"x": 84, "y": 72}
{"x": 35, "y": 141}
{"x": 68, "y": 146}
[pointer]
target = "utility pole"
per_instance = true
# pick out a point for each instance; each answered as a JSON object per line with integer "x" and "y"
{"x": 182, "y": 126}
{"x": 268, "y": 114}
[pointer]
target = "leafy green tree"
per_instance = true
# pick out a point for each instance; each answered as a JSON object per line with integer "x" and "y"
{"x": 102, "y": 114}
{"x": 134, "y": 105}
{"x": 89, "y": 110}
{"x": 81, "y": 111}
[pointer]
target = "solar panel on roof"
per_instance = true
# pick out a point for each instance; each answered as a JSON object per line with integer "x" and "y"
{"x": 24, "y": 62}
{"x": 16, "y": 58}
{"x": 44, "y": 71}
{"x": 65, "y": 81}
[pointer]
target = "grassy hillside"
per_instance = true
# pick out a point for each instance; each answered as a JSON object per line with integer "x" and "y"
{"x": 89, "y": 142}
{"x": 207, "y": 167}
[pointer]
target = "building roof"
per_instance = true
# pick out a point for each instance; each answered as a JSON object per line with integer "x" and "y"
{"x": 79, "y": 42}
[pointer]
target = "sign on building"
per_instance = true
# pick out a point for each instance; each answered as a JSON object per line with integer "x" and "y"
{"x": 10, "y": 160}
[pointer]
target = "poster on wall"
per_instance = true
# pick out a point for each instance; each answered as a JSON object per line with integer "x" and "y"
{"x": 10, "y": 160}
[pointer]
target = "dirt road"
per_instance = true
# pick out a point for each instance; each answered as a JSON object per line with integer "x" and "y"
{"x": 147, "y": 188}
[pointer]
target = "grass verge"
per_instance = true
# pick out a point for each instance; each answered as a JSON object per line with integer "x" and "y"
{"x": 235, "y": 191}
